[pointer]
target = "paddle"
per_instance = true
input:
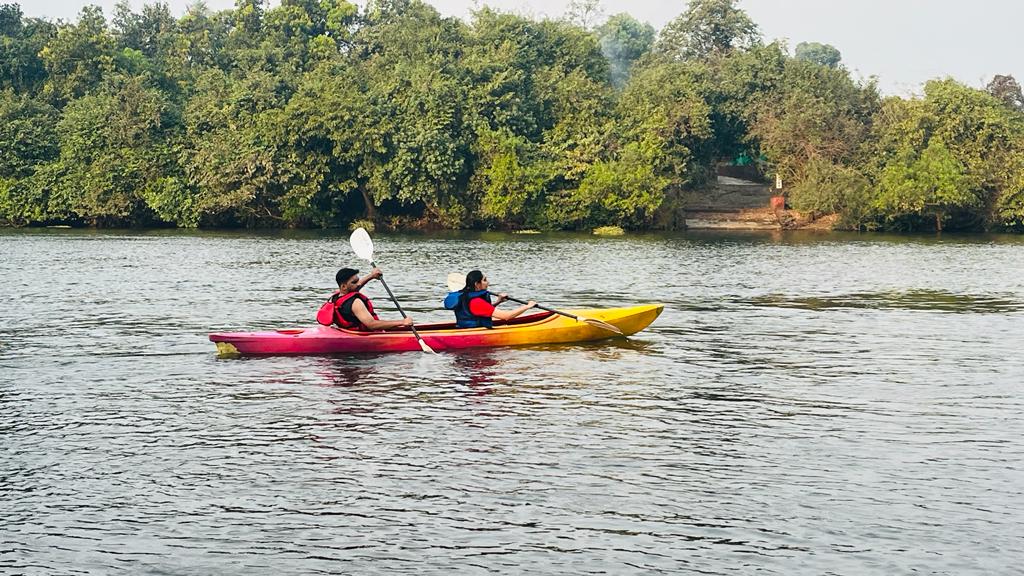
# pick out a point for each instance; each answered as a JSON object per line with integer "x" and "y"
{"x": 456, "y": 283}
{"x": 363, "y": 247}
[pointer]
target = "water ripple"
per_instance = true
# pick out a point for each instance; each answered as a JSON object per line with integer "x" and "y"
{"x": 805, "y": 404}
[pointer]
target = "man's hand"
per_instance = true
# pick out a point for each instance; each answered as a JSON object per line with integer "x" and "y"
{"x": 375, "y": 273}
{"x": 407, "y": 321}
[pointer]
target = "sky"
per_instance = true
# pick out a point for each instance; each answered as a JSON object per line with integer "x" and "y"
{"x": 902, "y": 42}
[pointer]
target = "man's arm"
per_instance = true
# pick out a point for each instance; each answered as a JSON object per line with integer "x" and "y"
{"x": 360, "y": 312}
{"x": 375, "y": 273}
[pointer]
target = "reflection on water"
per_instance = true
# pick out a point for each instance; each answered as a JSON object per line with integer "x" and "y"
{"x": 930, "y": 300}
{"x": 880, "y": 434}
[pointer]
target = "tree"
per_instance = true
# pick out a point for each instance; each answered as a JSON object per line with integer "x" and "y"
{"x": 820, "y": 54}
{"x": 1009, "y": 207}
{"x": 230, "y": 155}
{"x": 148, "y": 32}
{"x": 1008, "y": 90}
{"x": 27, "y": 129}
{"x": 932, "y": 185}
{"x": 819, "y": 114}
{"x": 584, "y": 13}
{"x": 736, "y": 87}
{"x": 708, "y": 28}
{"x": 410, "y": 58}
{"x": 624, "y": 40}
{"x": 829, "y": 188}
{"x": 656, "y": 143}
{"x": 21, "y": 41}
{"x": 79, "y": 57}
{"x": 511, "y": 176}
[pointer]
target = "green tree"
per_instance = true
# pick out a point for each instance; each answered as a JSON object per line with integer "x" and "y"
{"x": 411, "y": 59}
{"x": 79, "y": 57}
{"x": 624, "y": 40}
{"x": 1009, "y": 206}
{"x": 820, "y": 54}
{"x": 933, "y": 185}
{"x": 657, "y": 145}
{"x": 979, "y": 131}
{"x": 819, "y": 114}
{"x": 21, "y": 41}
{"x": 114, "y": 150}
{"x": 230, "y": 153}
{"x": 708, "y": 28}
{"x": 27, "y": 129}
{"x": 829, "y": 188}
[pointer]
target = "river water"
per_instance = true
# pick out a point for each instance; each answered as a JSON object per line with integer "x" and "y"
{"x": 806, "y": 404}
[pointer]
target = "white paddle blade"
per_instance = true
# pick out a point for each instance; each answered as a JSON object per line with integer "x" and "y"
{"x": 456, "y": 282}
{"x": 361, "y": 244}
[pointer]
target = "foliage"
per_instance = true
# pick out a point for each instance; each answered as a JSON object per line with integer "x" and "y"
{"x": 27, "y": 131}
{"x": 931, "y": 184}
{"x": 1008, "y": 90}
{"x": 608, "y": 231}
{"x": 322, "y": 113}
{"x": 829, "y": 188}
{"x": 708, "y": 28}
{"x": 965, "y": 137}
{"x": 818, "y": 114}
{"x": 21, "y": 41}
{"x": 624, "y": 40}
{"x": 821, "y": 54}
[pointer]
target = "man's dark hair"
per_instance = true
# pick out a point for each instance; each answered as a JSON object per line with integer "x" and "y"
{"x": 344, "y": 274}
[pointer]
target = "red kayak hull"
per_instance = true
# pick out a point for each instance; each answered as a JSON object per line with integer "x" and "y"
{"x": 545, "y": 328}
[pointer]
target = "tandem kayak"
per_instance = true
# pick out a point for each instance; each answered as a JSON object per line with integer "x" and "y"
{"x": 545, "y": 328}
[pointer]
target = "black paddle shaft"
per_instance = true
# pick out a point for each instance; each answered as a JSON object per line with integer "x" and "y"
{"x": 543, "y": 308}
{"x": 397, "y": 305}
{"x": 591, "y": 321}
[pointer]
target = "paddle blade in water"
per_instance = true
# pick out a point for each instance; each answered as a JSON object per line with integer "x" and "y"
{"x": 361, "y": 244}
{"x": 601, "y": 324}
{"x": 425, "y": 348}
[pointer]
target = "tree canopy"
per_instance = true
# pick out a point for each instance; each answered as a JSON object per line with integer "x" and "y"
{"x": 317, "y": 113}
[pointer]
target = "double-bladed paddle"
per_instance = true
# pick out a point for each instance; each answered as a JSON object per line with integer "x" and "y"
{"x": 363, "y": 247}
{"x": 457, "y": 282}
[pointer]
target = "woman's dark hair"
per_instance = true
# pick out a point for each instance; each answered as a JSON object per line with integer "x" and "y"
{"x": 344, "y": 274}
{"x": 472, "y": 278}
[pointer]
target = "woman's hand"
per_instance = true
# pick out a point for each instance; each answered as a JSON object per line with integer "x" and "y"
{"x": 501, "y": 298}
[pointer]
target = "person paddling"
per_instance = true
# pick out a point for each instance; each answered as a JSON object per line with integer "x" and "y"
{"x": 350, "y": 309}
{"x": 473, "y": 307}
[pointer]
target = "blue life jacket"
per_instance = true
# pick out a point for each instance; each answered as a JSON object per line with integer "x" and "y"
{"x": 459, "y": 302}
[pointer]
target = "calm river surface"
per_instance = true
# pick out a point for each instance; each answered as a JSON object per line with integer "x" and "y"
{"x": 806, "y": 404}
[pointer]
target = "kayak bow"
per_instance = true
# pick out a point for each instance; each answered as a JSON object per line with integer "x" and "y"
{"x": 545, "y": 328}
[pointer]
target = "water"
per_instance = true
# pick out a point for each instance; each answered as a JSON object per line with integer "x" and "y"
{"x": 806, "y": 404}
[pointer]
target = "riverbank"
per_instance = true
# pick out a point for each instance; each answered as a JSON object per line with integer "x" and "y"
{"x": 735, "y": 204}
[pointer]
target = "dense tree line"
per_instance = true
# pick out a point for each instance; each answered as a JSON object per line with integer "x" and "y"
{"x": 318, "y": 113}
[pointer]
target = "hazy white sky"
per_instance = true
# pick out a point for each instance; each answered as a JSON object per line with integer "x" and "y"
{"x": 903, "y": 42}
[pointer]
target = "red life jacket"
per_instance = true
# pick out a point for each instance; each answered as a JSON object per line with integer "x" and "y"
{"x": 343, "y": 315}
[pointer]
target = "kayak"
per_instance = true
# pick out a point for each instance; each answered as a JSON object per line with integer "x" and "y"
{"x": 543, "y": 328}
